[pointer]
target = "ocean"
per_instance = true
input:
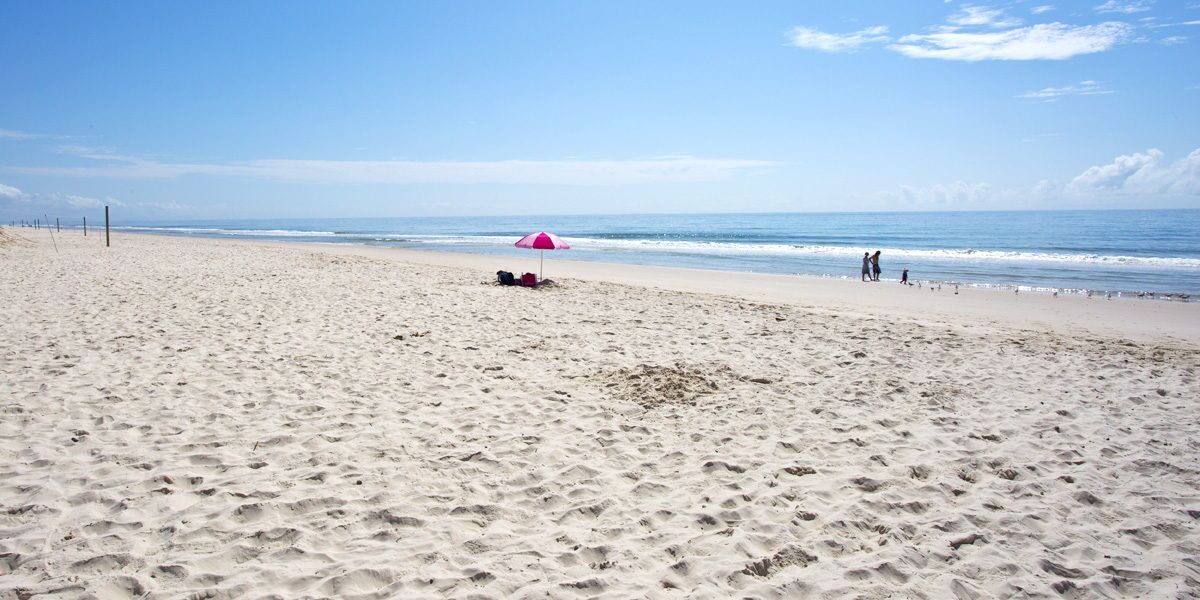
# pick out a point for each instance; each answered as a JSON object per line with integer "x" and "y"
{"x": 1120, "y": 251}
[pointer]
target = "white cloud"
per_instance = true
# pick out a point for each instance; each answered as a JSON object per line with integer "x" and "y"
{"x": 1114, "y": 174}
{"x": 958, "y": 194}
{"x": 18, "y": 135}
{"x": 1141, "y": 173}
{"x": 170, "y": 206}
{"x": 13, "y": 198}
{"x": 1127, "y": 179}
{"x": 975, "y": 33}
{"x": 1125, "y": 7}
{"x": 1052, "y": 94}
{"x": 8, "y": 191}
{"x": 1044, "y": 190}
{"x": 812, "y": 39}
{"x": 85, "y": 202}
{"x": 1173, "y": 40}
{"x": 1180, "y": 24}
{"x": 1052, "y": 41}
{"x": 95, "y": 153}
{"x": 982, "y": 16}
{"x": 556, "y": 172}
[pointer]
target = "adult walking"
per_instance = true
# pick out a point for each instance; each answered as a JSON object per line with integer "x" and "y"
{"x": 875, "y": 270}
{"x": 866, "y": 270}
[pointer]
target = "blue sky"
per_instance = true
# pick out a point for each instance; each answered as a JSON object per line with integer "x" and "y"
{"x": 174, "y": 111}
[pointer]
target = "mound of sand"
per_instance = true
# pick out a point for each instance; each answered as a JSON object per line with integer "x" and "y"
{"x": 7, "y": 239}
{"x": 654, "y": 385}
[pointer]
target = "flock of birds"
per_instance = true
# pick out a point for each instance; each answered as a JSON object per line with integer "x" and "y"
{"x": 936, "y": 286}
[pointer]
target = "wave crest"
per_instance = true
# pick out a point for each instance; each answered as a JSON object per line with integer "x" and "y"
{"x": 707, "y": 247}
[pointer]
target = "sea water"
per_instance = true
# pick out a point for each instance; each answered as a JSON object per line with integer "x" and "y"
{"x": 1127, "y": 251}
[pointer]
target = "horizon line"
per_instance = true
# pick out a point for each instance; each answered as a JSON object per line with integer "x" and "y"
{"x": 656, "y": 214}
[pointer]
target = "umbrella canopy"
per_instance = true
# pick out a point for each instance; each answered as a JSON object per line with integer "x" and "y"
{"x": 542, "y": 241}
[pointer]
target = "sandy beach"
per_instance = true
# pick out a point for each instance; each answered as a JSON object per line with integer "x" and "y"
{"x": 199, "y": 418}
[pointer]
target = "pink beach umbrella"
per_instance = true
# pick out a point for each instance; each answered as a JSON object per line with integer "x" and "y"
{"x": 542, "y": 241}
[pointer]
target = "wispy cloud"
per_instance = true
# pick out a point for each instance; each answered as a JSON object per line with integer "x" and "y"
{"x": 8, "y": 191}
{"x": 1141, "y": 173}
{"x": 19, "y": 135}
{"x": 957, "y": 194}
{"x": 982, "y": 16}
{"x": 95, "y": 153}
{"x": 812, "y": 39}
{"x": 1180, "y": 24}
{"x": 89, "y": 202}
{"x": 17, "y": 200}
{"x": 557, "y": 172}
{"x": 168, "y": 206}
{"x": 976, "y": 33}
{"x": 1173, "y": 40}
{"x": 1125, "y": 7}
{"x": 1050, "y": 41}
{"x": 1051, "y": 94}
{"x": 1138, "y": 175}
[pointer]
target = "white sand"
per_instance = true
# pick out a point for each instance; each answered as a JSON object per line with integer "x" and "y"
{"x": 200, "y": 418}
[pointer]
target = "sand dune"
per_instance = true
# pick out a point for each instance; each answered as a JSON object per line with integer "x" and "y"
{"x": 195, "y": 418}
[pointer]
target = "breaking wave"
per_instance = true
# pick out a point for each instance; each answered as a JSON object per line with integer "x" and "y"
{"x": 692, "y": 247}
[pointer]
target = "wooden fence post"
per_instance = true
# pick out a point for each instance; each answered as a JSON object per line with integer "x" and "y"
{"x": 52, "y": 240}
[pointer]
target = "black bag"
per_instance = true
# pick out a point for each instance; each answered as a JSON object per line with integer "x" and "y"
{"x": 505, "y": 277}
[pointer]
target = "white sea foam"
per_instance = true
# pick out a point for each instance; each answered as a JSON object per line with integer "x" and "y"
{"x": 716, "y": 248}
{"x": 747, "y": 249}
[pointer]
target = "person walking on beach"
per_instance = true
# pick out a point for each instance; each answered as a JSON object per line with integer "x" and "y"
{"x": 904, "y": 276}
{"x": 866, "y": 270}
{"x": 875, "y": 270}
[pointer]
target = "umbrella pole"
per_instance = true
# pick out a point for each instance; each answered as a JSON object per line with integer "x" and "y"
{"x": 541, "y": 263}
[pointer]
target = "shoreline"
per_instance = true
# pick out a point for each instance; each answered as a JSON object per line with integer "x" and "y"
{"x": 1113, "y": 274}
{"x": 1145, "y": 320}
{"x": 1132, "y": 318}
